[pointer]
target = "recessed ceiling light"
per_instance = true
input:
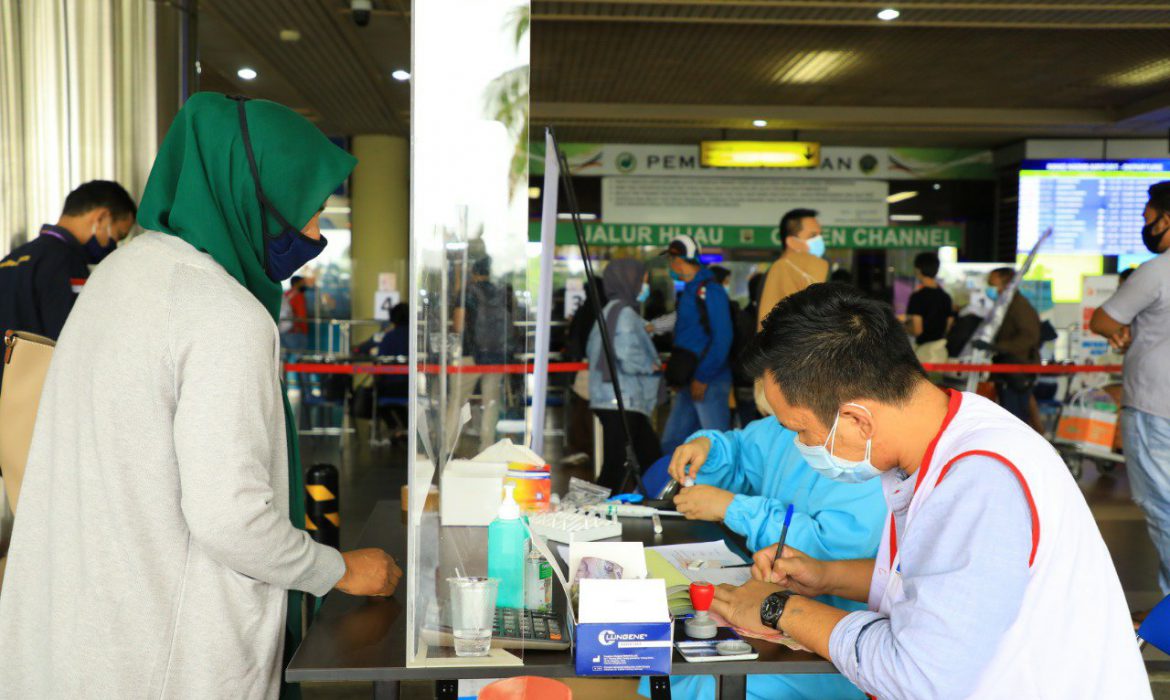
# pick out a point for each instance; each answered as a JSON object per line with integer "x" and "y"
{"x": 400, "y": 75}
{"x": 290, "y": 35}
{"x": 813, "y": 67}
{"x": 901, "y": 196}
{"x": 759, "y": 123}
{"x": 888, "y": 14}
{"x": 905, "y": 217}
{"x": 246, "y": 73}
{"x": 1145, "y": 74}
{"x": 534, "y": 193}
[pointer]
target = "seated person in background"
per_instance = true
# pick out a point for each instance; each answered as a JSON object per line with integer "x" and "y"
{"x": 747, "y": 478}
{"x": 638, "y": 369}
{"x": 991, "y": 581}
{"x": 394, "y": 348}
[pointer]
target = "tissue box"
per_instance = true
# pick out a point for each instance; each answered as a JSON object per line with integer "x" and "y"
{"x": 526, "y": 469}
{"x": 624, "y": 628}
{"x": 470, "y": 492}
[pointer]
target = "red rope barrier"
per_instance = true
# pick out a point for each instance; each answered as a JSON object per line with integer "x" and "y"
{"x": 555, "y": 367}
{"x": 1021, "y": 369}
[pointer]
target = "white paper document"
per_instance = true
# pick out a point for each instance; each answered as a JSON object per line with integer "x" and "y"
{"x": 735, "y": 575}
{"x": 616, "y": 601}
{"x": 703, "y": 556}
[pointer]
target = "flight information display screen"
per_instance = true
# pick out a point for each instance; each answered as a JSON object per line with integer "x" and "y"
{"x": 1093, "y": 206}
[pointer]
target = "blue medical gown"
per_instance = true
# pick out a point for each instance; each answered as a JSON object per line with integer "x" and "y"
{"x": 830, "y": 520}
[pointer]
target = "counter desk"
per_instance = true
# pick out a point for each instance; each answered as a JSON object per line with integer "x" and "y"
{"x": 364, "y": 639}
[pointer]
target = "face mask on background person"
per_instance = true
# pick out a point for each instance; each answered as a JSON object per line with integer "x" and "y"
{"x": 823, "y": 462}
{"x": 644, "y": 294}
{"x": 816, "y": 246}
{"x": 674, "y": 276}
{"x": 1153, "y": 241}
{"x": 993, "y": 293}
{"x": 95, "y": 251}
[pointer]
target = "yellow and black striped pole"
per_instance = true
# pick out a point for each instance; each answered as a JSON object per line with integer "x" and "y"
{"x": 323, "y": 505}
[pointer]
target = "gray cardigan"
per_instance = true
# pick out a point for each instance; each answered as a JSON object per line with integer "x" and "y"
{"x": 152, "y": 547}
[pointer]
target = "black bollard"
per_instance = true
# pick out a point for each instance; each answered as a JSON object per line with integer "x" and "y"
{"x": 323, "y": 505}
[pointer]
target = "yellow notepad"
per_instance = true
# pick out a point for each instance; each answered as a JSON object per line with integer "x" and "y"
{"x": 678, "y": 586}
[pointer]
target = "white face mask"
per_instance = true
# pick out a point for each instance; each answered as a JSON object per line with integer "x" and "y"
{"x": 823, "y": 462}
{"x": 644, "y": 294}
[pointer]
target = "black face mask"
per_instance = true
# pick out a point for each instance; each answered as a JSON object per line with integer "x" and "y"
{"x": 98, "y": 252}
{"x": 1153, "y": 240}
{"x": 289, "y": 250}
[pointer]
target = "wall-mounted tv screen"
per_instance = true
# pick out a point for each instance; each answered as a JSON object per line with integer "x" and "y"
{"x": 1093, "y": 206}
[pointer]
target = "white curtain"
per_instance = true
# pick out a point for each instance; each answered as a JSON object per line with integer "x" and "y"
{"x": 77, "y": 103}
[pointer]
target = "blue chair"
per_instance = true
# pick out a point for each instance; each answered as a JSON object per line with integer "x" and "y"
{"x": 1155, "y": 629}
{"x": 657, "y": 476}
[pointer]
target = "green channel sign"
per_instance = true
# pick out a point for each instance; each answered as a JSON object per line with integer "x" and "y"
{"x": 752, "y": 237}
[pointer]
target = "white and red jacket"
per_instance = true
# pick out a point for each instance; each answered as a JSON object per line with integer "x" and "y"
{"x": 1073, "y": 637}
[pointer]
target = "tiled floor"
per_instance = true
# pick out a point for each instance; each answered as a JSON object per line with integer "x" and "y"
{"x": 369, "y": 475}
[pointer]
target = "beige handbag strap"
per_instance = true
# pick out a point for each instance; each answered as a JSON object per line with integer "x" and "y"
{"x": 26, "y": 362}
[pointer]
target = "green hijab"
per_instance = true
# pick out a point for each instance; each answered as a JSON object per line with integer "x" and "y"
{"x": 201, "y": 190}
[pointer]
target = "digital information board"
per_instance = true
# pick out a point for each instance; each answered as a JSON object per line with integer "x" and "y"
{"x": 1092, "y": 206}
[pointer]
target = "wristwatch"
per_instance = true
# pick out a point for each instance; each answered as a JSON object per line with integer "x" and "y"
{"x": 772, "y": 608}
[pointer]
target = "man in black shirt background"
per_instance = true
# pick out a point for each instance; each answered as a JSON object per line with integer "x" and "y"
{"x": 40, "y": 280}
{"x": 928, "y": 315}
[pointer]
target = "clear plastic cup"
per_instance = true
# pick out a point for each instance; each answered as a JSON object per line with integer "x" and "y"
{"x": 473, "y": 610}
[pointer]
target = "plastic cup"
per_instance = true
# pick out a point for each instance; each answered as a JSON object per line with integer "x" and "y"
{"x": 473, "y": 611}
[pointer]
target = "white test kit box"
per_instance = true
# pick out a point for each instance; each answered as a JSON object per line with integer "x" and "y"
{"x": 623, "y": 628}
{"x": 470, "y": 492}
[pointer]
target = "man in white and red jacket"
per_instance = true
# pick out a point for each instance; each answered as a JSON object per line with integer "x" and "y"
{"x": 991, "y": 581}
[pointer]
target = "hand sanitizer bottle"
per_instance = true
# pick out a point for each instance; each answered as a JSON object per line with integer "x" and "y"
{"x": 507, "y": 548}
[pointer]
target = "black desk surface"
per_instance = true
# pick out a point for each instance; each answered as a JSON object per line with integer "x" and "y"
{"x": 364, "y": 639}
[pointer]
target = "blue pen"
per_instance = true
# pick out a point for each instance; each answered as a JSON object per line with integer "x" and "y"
{"x": 784, "y": 532}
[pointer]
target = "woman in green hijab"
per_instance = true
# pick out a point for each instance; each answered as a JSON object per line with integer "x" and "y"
{"x": 158, "y": 534}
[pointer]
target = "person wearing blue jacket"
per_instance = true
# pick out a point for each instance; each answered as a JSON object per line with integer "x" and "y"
{"x": 699, "y": 370}
{"x": 638, "y": 370}
{"x": 746, "y": 478}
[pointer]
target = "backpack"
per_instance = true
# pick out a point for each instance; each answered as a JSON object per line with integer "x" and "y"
{"x": 490, "y": 331}
{"x": 683, "y": 363}
{"x": 743, "y": 326}
{"x": 961, "y": 331}
{"x": 26, "y": 364}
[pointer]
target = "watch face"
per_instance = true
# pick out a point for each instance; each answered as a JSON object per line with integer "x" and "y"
{"x": 771, "y": 609}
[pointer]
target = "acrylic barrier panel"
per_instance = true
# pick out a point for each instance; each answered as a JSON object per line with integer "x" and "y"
{"x": 470, "y": 304}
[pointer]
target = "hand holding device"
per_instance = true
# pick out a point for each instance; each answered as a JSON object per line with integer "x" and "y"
{"x": 688, "y": 458}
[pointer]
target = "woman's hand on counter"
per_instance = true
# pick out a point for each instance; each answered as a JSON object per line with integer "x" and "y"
{"x": 369, "y": 572}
